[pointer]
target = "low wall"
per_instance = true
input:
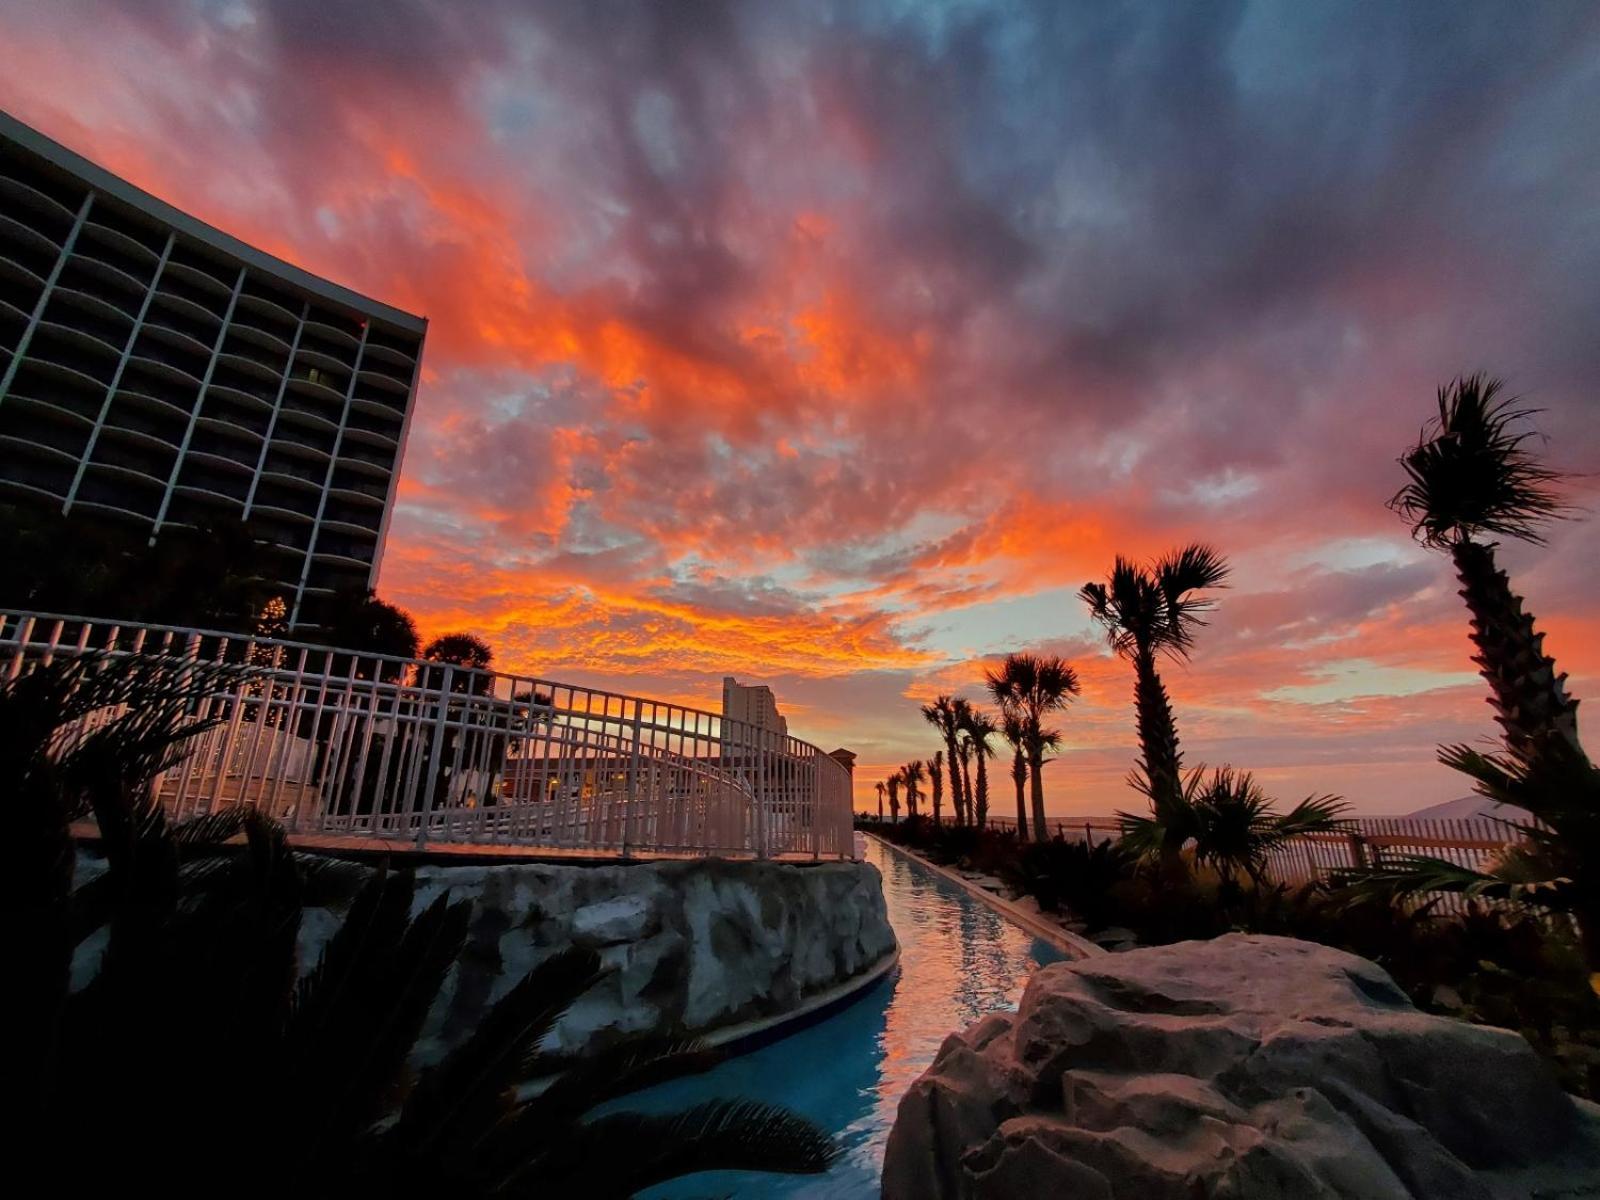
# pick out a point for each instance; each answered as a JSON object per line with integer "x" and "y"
{"x": 696, "y": 946}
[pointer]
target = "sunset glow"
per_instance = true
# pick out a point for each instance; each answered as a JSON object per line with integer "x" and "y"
{"x": 836, "y": 354}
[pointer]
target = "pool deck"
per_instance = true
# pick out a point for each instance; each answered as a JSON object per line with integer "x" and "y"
{"x": 1062, "y": 939}
{"x": 440, "y": 853}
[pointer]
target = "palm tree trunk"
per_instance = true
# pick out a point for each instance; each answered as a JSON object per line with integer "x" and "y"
{"x": 1036, "y": 775}
{"x": 1158, "y": 734}
{"x": 981, "y": 816}
{"x": 1019, "y": 775}
{"x": 957, "y": 800}
{"x": 1529, "y": 698}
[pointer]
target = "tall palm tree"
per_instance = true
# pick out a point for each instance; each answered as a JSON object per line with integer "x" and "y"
{"x": 912, "y": 774}
{"x": 1014, "y": 729}
{"x": 881, "y": 789}
{"x": 893, "y": 784}
{"x": 1148, "y": 610}
{"x": 936, "y": 782}
{"x": 980, "y": 729}
{"x": 1031, "y": 686}
{"x": 1472, "y": 478}
{"x": 943, "y": 715}
{"x": 961, "y": 710}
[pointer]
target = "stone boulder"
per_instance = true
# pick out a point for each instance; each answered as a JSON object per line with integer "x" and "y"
{"x": 1245, "y": 1067}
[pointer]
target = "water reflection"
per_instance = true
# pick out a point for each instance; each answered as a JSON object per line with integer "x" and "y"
{"x": 958, "y": 961}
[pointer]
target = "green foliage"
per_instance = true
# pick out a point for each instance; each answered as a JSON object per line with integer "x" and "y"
{"x": 1074, "y": 877}
{"x": 196, "y": 1031}
{"x": 1231, "y": 822}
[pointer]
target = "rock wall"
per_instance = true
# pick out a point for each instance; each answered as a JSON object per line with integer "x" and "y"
{"x": 1245, "y": 1066}
{"x": 696, "y": 946}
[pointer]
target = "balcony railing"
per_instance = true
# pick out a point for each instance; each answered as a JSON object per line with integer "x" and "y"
{"x": 369, "y": 746}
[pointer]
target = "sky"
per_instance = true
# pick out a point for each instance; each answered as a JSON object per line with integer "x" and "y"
{"x": 836, "y": 345}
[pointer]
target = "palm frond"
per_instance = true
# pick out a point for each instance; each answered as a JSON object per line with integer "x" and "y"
{"x": 465, "y": 1094}
{"x": 1417, "y": 874}
{"x": 1471, "y": 472}
{"x": 719, "y": 1136}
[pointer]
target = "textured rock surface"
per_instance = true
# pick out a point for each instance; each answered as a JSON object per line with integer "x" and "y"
{"x": 696, "y": 945}
{"x": 1250, "y": 1067}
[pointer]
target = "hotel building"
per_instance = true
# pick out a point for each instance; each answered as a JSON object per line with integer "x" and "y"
{"x": 158, "y": 371}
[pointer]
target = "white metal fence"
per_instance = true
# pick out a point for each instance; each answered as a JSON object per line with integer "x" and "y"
{"x": 333, "y": 742}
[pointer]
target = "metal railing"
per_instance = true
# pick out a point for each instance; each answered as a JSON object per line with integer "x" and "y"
{"x": 365, "y": 745}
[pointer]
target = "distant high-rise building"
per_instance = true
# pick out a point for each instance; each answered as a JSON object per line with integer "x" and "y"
{"x": 158, "y": 371}
{"x": 753, "y": 704}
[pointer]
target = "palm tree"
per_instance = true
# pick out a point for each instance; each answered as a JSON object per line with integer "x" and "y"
{"x": 1471, "y": 476}
{"x": 1148, "y": 610}
{"x": 460, "y": 649}
{"x": 1014, "y": 729}
{"x": 357, "y": 620}
{"x": 936, "y": 782}
{"x": 1031, "y": 686}
{"x": 197, "y": 1006}
{"x": 943, "y": 714}
{"x": 893, "y": 784}
{"x": 881, "y": 789}
{"x": 1232, "y": 823}
{"x": 912, "y": 774}
{"x": 979, "y": 728}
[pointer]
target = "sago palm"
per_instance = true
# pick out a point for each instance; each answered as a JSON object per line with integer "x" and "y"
{"x": 1233, "y": 823}
{"x": 1148, "y": 610}
{"x": 980, "y": 729}
{"x": 1032, "y": 686}
{"x": 943, "y": 714}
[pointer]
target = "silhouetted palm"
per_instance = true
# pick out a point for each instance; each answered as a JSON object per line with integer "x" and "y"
{"x": 881, "y": 788}
{"x": 912, "y": 775}
{"x": 359, "y": 621}
{"x": 893, "y": 784}
{"x": 944, "y": 715}
{"x": 196, "y": 1018}
{"x": 1471, "y": 475}
{"x": 1232, "y": 823}
{"x": 936, "y": 783}
{"x": 1014, "y": 729}
{"x": 980, "y": 728}
{"x": 1148, "y": 610}
{"x": 1032, "y": 686}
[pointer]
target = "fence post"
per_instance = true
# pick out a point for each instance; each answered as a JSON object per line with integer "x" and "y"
{"x": 1358, "y": 851}
{"x": 437, "y": 753}
{"x": 633, "y": 775}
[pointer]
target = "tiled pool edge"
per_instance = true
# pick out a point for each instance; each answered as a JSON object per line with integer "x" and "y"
{"x": 1062, "y": 939}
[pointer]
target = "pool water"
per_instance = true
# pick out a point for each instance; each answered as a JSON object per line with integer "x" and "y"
{"x": 958, "y": 960}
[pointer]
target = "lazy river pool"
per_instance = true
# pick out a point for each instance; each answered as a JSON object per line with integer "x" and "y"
{"x": 958, "y": 960}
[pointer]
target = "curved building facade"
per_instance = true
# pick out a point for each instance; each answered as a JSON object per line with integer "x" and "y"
{"x": 156, "y": 370}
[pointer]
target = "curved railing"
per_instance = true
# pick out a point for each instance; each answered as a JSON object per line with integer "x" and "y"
{"x": 367, "y": 745}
